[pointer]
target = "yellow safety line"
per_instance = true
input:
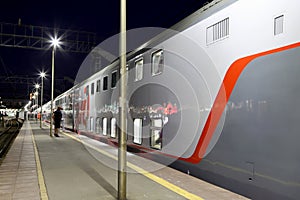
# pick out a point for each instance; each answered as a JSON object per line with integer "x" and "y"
{"x": 165, "y": 183}
{"x": 149, "y": 175}
{"x": 43, "y": 189}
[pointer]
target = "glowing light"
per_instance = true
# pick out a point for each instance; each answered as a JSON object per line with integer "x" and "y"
{"x": 55, "y": 42}
{"x": 37, "y": 86}
{"x": 43, "y": 74}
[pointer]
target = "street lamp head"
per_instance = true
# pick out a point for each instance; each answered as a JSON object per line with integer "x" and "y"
{"x": 55, "y": 42}
{"x": 43, "y": 74}
{"x": 37, "y": 86}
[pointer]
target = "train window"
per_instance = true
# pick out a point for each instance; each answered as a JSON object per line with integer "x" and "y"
{"x": 98, "y": 86}
{"x": 278, "y": 25}
{"x": 92, "y": 88}
{"x": 104, "y": 126}
{"x": 114, "y": 79}
{"x": 157, "y": 62}
{"x": 105, "y": 83}
{"x": 113, "y": 127}
{"x": 69, "y": 101}
{"x": 87, "y": 90}
{"x": 98, "y": 125}
{"x": 137, "y": 131}
{"x": 139, "y": 69}
{"x": 156, "y": 133}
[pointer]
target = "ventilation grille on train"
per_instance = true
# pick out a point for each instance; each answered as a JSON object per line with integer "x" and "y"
{"x": 217, "y": 31}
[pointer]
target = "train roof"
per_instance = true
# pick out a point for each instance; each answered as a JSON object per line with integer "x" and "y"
{"x": 201, "y": 14}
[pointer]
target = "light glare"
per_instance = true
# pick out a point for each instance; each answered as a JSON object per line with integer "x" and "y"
{"x": 43, "y": 74}
{"x": 55, "y": 42}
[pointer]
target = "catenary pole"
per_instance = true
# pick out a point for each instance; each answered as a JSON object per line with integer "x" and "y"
{"x": 52, "y": 90}
{"x": 42, "y": 93}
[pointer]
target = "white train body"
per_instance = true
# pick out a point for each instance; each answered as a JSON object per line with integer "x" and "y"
{"x": 219, "y": 97}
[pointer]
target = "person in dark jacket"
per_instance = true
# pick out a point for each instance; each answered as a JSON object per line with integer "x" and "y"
{"x": 57, "y": 115}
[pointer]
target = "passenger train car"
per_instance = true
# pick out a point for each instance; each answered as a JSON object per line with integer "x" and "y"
{"x": 219, "y": 98}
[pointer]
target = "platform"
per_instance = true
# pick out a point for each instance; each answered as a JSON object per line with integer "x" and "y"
{"x": 76, "y": 167}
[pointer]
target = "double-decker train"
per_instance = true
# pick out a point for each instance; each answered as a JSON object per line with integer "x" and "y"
{"x": 218, "y": 98}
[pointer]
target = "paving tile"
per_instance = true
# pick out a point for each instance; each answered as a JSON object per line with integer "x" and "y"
{"x": 5, "y": 196}
{"x": 18, "y": 173}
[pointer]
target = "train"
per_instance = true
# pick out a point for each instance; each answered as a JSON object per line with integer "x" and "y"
{"x": 217, "y": 98}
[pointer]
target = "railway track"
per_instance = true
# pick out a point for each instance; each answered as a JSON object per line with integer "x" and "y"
{"x": 8, "y": 134}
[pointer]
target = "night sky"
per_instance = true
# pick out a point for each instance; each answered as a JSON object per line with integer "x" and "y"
{"x": 100, "y": 17}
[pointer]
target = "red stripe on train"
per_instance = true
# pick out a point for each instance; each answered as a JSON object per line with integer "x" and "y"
{"x": 222, "y": 98}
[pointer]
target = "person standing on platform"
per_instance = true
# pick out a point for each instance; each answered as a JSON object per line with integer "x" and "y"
{"x": 57, "y": 115}
{"x": 39, "y": 116}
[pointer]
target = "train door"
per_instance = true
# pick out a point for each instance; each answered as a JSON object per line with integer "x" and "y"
{"x": 92, "y": 124}
{"x": 113, "y": 127}
{"x": 137, "y": 130}
{"x": 104, "y": 126}
{"x": 156, "y": 131}
{"x": 98, "y": 125}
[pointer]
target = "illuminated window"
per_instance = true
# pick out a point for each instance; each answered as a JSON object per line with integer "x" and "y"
{"x": 156, "y": 133}
{"x": 113, "y": 127}
{"x": 138, "y": 69}
{"x": 92, "y": 124}
{"x": 157, "y": 62}
{"x": 137, "y": 131}
{"x": 104, "y": 126}
{"x": 278, "y": 25}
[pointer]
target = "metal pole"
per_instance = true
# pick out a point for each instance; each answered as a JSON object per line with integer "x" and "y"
{"x": 37, "y": 97}
{"x": 37, "y": 103}
{"x": 41, "y": 115}
{"x": 122, "y": 160}
{"x": 52, "y": 91}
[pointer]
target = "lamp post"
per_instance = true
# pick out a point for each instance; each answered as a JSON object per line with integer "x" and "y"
{"x": 42, "y": 75}
{"x": 54, "y": 43}
{"x": 37, "y": 86}
{"x": 122, "y": 160}
{"x": 36, "y": 95}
